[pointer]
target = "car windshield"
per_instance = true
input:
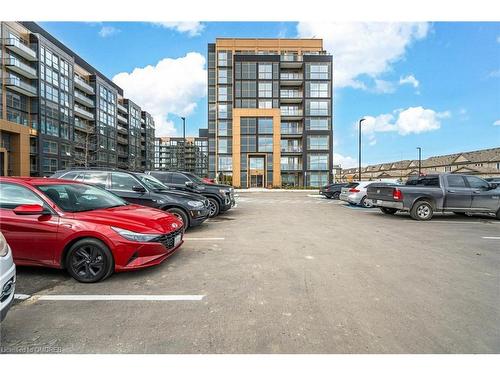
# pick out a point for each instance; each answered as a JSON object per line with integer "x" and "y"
{"x": 152, "y": 182}
{"x": 80, "y": 197}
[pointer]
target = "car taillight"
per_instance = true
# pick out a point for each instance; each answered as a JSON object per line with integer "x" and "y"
{"x": 353, "y": 190}
{"x": 397, "y": 194}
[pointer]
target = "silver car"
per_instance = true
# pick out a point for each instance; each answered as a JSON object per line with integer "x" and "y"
{"x": 355, "y": 193}
{"x": 7, "y": 277}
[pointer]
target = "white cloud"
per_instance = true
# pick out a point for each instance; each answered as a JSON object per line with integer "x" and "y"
{"x": 384, "y": 87}
{"x": 192, "y": 28}
{"x": 344, "y": 161}
{"x": 363, "y": 48}
{"x": 413, "y": 120}
{"x": 171, "y": 87}
{"x": 108, "y": 31}
{"x": 409, "y": 80}
{"x": 496, "y": 123}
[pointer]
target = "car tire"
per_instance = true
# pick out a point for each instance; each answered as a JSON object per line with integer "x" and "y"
{"x": 89, "y": 261}
{"x": 336, "y": 195}
{"x": 213, "y": 208}
{"x": 181, "y": 215}
{"x": 388, "y": 210}
{"x": 328, "y": 196}
{"x": 422, "y": 211}
{"x": 366, "y": 203}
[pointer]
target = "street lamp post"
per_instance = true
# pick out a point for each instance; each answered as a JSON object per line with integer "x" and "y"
{"x": 419, "y": 160}
{"x": 359, "y": 149}
{"x": 183, "y": 143}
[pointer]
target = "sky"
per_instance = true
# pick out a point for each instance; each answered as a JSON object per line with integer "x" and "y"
{"x": 429, "y": 85}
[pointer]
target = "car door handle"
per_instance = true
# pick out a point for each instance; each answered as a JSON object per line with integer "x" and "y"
{"x": 476, "y": 191}
{"x": 451, "y": 191}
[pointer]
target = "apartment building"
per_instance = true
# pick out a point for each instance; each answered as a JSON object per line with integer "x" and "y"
{"x": 483, "y": 163}
{"x": 270, "y": 112}
{"x": 171, "y": 154}
{"x": 57, "y": 111}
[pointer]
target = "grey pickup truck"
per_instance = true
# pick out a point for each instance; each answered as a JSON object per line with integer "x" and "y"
{"x": 423, "y": 196}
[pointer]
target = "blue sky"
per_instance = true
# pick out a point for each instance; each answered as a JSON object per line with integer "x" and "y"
{"x": 431, "y": 85}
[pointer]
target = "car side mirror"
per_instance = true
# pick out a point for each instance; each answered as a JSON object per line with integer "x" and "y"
{"x": 189, "y": 184}
{"x": 139, "y": 189}
{"x": 30, "y": 209}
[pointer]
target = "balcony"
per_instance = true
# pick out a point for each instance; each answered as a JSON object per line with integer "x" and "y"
{"x": 84, "y": 86}
{"x": 291, "y": 113}
{"x": 291, "y": 79}
{"x": 121, "y": 129}
{"x": 291, "y": 60}
{"x": 122, "y": 154}
{"x": 15, "y": 83}
{"x": 122, "y": 119}
{"x": 121, "y": 140}
{"x": 291, "y": 130}
{"x": 14, "y": 64}
{"x": 291, "y": 167}
{"x": 291, "y": 149}
{"x": 82, "y": 112}
{"x": 16, "y": 46}
{"x": 82, "y": 99}
{"x": 121, "y": 108}
{"x": 291, "y": 96}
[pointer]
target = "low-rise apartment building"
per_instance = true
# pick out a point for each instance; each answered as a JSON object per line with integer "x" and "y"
{"x": 483, "y": 163}
{"x": 58, "y": 111}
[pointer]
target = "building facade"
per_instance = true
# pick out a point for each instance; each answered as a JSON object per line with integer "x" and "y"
{"x": 270, "y": 112}
{"x": 483, "y": 163}
{"x": 172, "y": 155}
{"x": 57, "y": 111}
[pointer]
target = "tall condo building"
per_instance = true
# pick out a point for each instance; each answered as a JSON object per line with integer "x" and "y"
{"x": 58, "y": 111}
{"x": 270, "y": 112}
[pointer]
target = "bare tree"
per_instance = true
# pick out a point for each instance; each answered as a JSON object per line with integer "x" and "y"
{"x": 87, "y": 142}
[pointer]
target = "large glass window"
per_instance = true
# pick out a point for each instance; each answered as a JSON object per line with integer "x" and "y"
{"x": 222, "y": 58}
{"x": 265, "y": 125}
{"x": 49, "y": 165}
{"x": 265, "y": 143}
{"x": 319, "y": 90}
{"x": 223, "y": 128}
{"x": 248, "y": 143}
{"x": 265, "y": 104}
{"x": 317, "y": 142}
{"x": 265, "y": 71}
{"x": 50, "y": 147}
{"x": 318, "y": 71}
{"x": 317, "y": 107}
{"x": 222, "y": 93}
{"x": 317, "y": 161}
{"x": 248, "y": 70}
{"x": 223, "y": 111}
{"x": 225, "y": 163}
{"x": 317, "y": 179}
{"x": 265, "y": 90}
{"x": 317, "y": 124}
{"x": 222, "y": 76}
{"x": 248, "y": 125}
{"x": 222, "y": 146}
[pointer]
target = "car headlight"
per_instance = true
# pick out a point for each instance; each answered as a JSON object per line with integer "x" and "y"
{"x": 223, "y": 191}
{"x": 133, "y": 236}
{"x": 161, "y": 201}
{"x": 4, "y": 247}
{"x": 195, "y": 204}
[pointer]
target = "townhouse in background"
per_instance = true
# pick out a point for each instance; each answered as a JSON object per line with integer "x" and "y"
{"x": 171, "y": 154}
{"x": 57, "y": 111}
{"x": 270, "y": 112}
{"x": 482, "y": 163}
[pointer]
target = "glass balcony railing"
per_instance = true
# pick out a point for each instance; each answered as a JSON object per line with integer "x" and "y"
{"x": 290, "y": 58}
{"x": 122, "y": 108}
{"x": 20, "y": 67}
{"x": 80, "y": 83}
{"x": 84, "y": 99}
{"x": 20, "y": 48}
{"x": 121, "y": 129}
{"x": 83, "y": 112}
{"x": 291, "y": 148}
{"x": 122, "y": 119}
{"x": 291, "y": 129}
{"x": 290, "y": 94}
{"x": 17, "y": 84}
{"x": 291, "y": 111}
{"x": 291, "y": 76}
{"x": 291, "y": 167}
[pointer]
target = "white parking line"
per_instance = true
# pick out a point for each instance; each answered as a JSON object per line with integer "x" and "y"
{"x": 111, "y": 297}
{"x": 491, "y": 238}
{"x": 204, "y": 239}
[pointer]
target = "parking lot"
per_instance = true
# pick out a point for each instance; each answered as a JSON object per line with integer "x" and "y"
{"x": 283, "y": 272}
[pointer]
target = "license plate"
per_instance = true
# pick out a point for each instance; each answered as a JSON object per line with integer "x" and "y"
{"x": 177, "y": 240}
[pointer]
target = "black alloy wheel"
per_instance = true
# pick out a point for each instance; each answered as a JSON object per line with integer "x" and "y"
{"x": 213, "y": 207}
{"x": 89, "y": 261}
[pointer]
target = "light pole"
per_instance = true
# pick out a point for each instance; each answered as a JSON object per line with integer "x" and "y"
{"x": 419, "y": 161}
{"x": 359, "y": 149}
{"x": 183, "y": 143}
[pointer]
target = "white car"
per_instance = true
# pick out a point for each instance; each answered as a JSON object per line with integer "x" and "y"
{"x": 7, "y": 277}
{"x": 355, "y": 192}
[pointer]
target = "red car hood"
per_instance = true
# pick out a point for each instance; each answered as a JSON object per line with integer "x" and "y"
{"x": 133, "y": 217}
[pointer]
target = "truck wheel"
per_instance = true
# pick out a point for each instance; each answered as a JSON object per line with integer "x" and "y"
{"x": 422, "y": 211}
{"x": 388, "y": 210}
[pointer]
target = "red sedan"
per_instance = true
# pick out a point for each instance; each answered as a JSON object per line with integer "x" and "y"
{"x": 84, "y": 229}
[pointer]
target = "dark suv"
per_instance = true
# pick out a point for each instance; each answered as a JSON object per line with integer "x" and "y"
{"x": 221, "y": 197}
{"x": 332, "y": 190}
{"x": 143, "y": 189}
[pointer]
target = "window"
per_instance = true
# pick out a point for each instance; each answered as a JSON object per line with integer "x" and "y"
{"x": 265, "y": 71}
{"x": 49, "y": 165}
{"x": 50, "y": 147}
{"x": 12, "y": 195}
{"x": 447, "y": 168}
{"x": 225, "y": 163}
{"x": 265, "y": 104}
{"x": 317, "y": 161}
{"x": 222, "y": 146}
{"x": 65, "y": 149}
{"x": 265, "y": 143}
{"x": 96, "y": 178}
{"x": 265, "y": 90}
{"x": 123, "y": 182}
{"x": 179, "y": 179}
{"x": 317, "y": 179}
{"x": 456, "y": 181}
{"x": 222, "y": 77}
{"x": 265, "y": 125}
{"x": 248, "y": 89}
{"x": 319, "y": 90}
{"x": 248, "y": 70}
{"x": 223, "y": 111}
{"x": 222, "y": 94}
{"x": 477, "y": 183}
{"x": 317, "y": 108}
{"x": 318, "y": 71}
{"x": 248, "y": 125}
{"x": 256, "y": 163}
{"x": 317, "y": 142}
{"x": 248, "y": 143}
{"x": 317, "y": 124}
{"x": 222, "y": 58}
{"x": 223, "y": 128}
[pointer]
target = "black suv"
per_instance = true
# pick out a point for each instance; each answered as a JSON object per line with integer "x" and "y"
{"x": 332, "y": 190}
{"x": 143, "y": 189}
{"x": 221, "y": 197}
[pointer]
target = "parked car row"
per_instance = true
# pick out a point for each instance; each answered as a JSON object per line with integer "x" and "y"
{"x": 93, "y": 222}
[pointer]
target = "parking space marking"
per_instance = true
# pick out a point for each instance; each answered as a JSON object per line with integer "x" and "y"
{"x": 491, "y": 238}
{"x": 112, "y": 297}
{"x": 21, "y": 296}
{"x": 204, "y": 239}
